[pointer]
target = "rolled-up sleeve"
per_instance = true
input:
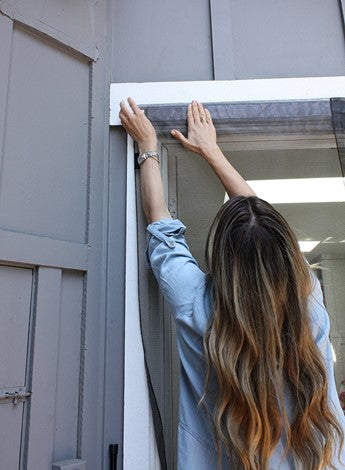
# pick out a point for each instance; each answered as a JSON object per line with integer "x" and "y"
{"x": 172, "y": 263}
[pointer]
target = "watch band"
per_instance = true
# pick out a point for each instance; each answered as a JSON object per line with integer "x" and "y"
{"x": 144, "y": 156}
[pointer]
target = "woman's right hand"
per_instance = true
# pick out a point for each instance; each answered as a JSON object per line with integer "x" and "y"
{"x": 202, "y": 135}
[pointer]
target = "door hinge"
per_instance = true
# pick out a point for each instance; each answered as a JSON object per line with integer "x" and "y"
{"x": 11, "y": 395}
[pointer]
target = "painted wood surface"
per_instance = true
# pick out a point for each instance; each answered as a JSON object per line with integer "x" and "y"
{"x": 15, "y": 294}
{"x": 44, "y": 372}
{"x": 71, "y": 23}
{"x": 54, "y": 222}
{"x": 227, "y": 39}
{"x": 44, "y": 165}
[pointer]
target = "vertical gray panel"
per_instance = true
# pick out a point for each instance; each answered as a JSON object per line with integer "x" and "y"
{"x": 44, "y": 373}
{"x": 92, "y": 441}
{"x": 44, "y": 169}
{"x": 161, "y": 40}
{"x": 5, "y": 54}
{"x": 276, "y": 38}
{"x": 113, "y": 424}
{"x": 222, "y": 40}
{"x": 10, "y": 432}
{"x": 15, "y": 293}
{"x": 65, "y": 438}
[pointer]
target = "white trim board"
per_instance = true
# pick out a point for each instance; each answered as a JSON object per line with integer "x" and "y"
{"x": 217, "y": 91}
{"x": 139, "y": 444}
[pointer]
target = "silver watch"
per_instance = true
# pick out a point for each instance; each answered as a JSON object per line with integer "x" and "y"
{"x": 144, "y": 156}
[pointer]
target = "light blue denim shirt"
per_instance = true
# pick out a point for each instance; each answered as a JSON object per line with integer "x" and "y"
{"x": 184, "y": 286}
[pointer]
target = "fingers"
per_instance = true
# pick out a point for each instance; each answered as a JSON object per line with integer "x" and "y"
{"x": 208, "y": 116}
{"x": 195, "y": 112}
{"x": 123, "y": 118}
{"x": 125, "y": 110}
{"x": 202, "y": 115}
{"x": 180, "y": 137}
{"x": 124, "y": 114}
{"x": 134, "y": 106}
{"x": 190, "y": 118}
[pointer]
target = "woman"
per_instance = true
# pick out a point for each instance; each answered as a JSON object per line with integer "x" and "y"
{"x": 257, "y": 388}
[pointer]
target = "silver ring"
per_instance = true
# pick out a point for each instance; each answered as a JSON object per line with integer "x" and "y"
{"x": 202, "y": 119}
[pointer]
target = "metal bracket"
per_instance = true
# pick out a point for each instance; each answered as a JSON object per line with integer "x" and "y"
{"x": 14, "y": 396}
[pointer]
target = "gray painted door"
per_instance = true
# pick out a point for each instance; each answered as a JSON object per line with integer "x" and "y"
{"x": 54, "y": 234}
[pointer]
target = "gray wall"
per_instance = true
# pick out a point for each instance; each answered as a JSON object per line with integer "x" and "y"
{"x": 160, "y": 40}
{"x": 62, "y": 230}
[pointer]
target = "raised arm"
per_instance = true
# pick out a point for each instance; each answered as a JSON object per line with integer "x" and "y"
{"x": 172, "y": 263}
{"x": 142, "y": 131}
{"x": 202, "y": 139}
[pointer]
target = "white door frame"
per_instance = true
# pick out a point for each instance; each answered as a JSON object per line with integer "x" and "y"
{"x": 139, "y": 447}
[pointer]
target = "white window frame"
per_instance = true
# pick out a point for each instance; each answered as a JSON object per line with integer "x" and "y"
{"x": 139, "y": 447}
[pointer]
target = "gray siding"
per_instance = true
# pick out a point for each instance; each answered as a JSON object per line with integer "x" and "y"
{"x": 161, "y": 40}
{"x": 297, "y": 38}
{"x": 15, "y": 292}
{"x": 46, "y": 134}
{"x": 113, "y": 417}
{"x": 54, "y": 231}
{"x": 227, "y": 39}
{"x": 68, "y": 366}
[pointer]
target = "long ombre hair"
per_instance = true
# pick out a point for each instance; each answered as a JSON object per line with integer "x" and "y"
{"x": 259, "y": 342}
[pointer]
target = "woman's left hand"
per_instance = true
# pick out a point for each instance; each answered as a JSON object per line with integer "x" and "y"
{"x": 202, "y": 136}
{"x": 138, "y": 126}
